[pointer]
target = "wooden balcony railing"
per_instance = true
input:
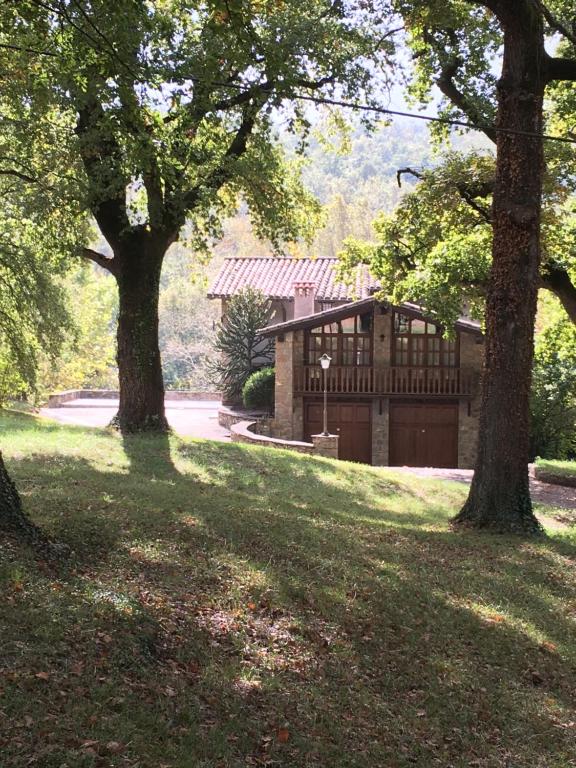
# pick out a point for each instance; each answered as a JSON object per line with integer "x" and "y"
{"x": 400, "y": 380}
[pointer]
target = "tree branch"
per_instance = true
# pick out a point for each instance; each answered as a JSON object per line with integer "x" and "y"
{"x": 447, "y": 86}
{"x": 556, "y": 24}
{"x": 237, "y": 148}
{"x": 445, "y": 81}
{"x": 106, "y": 262}
{"x": 560, "y": 69}
{"x": 101, "y": 157}
{"x": 557, "y": 280}
{"x": 407, "y": 172}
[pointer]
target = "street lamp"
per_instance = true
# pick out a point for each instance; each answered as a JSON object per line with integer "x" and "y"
{"x": 325, "y": 361}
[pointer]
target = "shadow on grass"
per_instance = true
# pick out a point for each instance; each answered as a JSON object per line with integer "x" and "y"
{"x": 378, "y": 635}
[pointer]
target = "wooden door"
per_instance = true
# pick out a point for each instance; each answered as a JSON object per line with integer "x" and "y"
{"x": 423, "y": 434}
{"x": 350, "y": 421}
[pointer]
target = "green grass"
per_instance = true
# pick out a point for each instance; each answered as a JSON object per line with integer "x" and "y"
{"x": 558, "y": 468}
{"x": 231, "y": 606}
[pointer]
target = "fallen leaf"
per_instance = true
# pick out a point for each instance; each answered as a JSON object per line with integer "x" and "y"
{"x": 42, "y": 675}
{"x": 283, "y": 734}
{"x": 88, "y": 743}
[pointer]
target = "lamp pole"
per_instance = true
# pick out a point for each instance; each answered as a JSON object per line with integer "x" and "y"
{"x": 325, "y": 361}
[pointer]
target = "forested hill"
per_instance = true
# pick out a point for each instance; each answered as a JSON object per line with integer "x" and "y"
{"x": 368, "y": 168}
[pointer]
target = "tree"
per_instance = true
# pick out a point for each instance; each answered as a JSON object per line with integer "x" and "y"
{"x": 455, "y": 43}
{"x": 242, "y": 349}
{"x": 436, "y": 245}
{"x": 173, "y": 114}
{"x": 39, "y": 233}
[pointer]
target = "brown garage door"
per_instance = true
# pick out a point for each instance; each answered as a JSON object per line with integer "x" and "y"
{"x": 424, "y": 434}
{"x": 351, "y": 421}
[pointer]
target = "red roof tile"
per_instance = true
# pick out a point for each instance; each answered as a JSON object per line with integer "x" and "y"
{"x": 275, "y": 277}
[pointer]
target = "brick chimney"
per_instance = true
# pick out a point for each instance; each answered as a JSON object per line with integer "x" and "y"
{"x": 304, "y": 298}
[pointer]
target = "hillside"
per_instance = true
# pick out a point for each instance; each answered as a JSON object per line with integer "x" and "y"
{"x": 230, "y": 606}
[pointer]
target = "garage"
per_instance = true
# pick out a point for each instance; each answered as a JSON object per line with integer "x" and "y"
{"x": 423, "y": 434}
{"x": 350, "y": 421}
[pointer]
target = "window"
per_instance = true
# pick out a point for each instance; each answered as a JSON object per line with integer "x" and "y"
{"x": 347, "y": 342}
{"x": 419, "y": 344}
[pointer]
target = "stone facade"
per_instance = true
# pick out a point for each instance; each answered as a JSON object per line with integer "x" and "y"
{"x": 289, "y": 416}
{"x": 326, "y": 445}
{"x": 471, "y": 358}
{"x": 380, "y": 435}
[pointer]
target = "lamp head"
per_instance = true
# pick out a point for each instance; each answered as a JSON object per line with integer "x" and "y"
{"x": 325, "y": 361}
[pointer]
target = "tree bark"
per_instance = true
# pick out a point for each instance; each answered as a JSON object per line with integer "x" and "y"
{"x": 138, "y": 262}
{"x": 499, "y": 497}
{"x": 13, "y": 520}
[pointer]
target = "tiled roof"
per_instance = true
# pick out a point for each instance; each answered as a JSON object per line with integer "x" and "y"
{"x": 275, "y": 277}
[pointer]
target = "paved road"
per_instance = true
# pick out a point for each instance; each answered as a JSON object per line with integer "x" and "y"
{"x": 542, "y": 493}
{"x": 192, "y": 418}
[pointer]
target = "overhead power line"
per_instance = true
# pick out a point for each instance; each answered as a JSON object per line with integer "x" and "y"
{"x": 356, "y": 106}
{"x": 432, "y": 118}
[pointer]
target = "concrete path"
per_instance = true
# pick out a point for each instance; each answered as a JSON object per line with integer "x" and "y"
{"x": 542, "y": 493}
{"x": 191, "y": 418}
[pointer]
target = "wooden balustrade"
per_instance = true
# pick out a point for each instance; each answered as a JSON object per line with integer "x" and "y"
{"x": 399, "y": 380}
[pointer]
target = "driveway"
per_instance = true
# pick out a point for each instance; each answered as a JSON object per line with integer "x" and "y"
{"x": 542, "y": 493}
{"x": 191, "y": 418}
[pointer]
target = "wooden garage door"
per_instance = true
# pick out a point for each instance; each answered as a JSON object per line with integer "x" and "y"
{"x": 351, "y": 421}
{"x": 424, "y": 434}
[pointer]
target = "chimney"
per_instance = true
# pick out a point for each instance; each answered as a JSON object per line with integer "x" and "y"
{"x": 304, "y": 298}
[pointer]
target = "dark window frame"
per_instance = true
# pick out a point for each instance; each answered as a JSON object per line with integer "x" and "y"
{"x": 332, "y": 343}
{"x": 445, "y": 348}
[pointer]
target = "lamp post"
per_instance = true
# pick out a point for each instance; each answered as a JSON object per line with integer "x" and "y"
{"x": 325, "y": 363}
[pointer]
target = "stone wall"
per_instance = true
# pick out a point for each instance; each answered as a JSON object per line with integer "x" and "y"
{"x": 380, "y": 433}
{"x": 284, "y": 386}
{"x": 382, "y": 337}
{"x": 288, "y": 408}
{"x": 60, "y": 398}
{"x": 256, "y": 433}
{"x": 243, "y": 432}
{"x": 471, "y": 357}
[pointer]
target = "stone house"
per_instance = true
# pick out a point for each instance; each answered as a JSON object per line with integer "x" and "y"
{"x": 398, "y": 392}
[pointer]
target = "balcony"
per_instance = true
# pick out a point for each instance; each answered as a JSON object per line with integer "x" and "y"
{"x": 400, "y": 380}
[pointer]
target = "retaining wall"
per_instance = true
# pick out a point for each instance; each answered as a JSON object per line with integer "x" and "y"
{"x": 60, "y": 398}
{"x": 242, "y": 432}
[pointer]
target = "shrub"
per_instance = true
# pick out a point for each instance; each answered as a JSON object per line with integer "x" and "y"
{"x": 258, "y": 391}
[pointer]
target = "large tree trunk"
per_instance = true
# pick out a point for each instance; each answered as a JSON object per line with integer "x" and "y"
{"x": 499, "y": 497}
{"x": 14, "y": 521}
{"x": 139, "y": 258}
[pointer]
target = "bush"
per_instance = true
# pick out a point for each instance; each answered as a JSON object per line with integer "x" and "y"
{"x": 258, "y": 392}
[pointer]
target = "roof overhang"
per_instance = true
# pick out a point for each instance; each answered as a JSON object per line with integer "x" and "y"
{"x": 356, "y": 307}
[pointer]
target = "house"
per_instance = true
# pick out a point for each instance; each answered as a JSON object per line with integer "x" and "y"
{"x": 398, "y": 392}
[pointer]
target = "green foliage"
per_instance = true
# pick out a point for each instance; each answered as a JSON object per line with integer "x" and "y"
{"x": 177, "y": 103}
{"x": 87, "y": 357}
{"x": 553, "y": 402}
{"x": 242, "y": 349}
{"x": 231, "y": 597}
{"x": 187, "y": 322}
{"x": 258, "y": 391}
{"x": 435, "y": 247}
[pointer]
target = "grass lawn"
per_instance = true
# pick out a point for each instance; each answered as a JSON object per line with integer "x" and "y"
{"x": 558, "y": 468}
{"x": 231, "y": 606}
